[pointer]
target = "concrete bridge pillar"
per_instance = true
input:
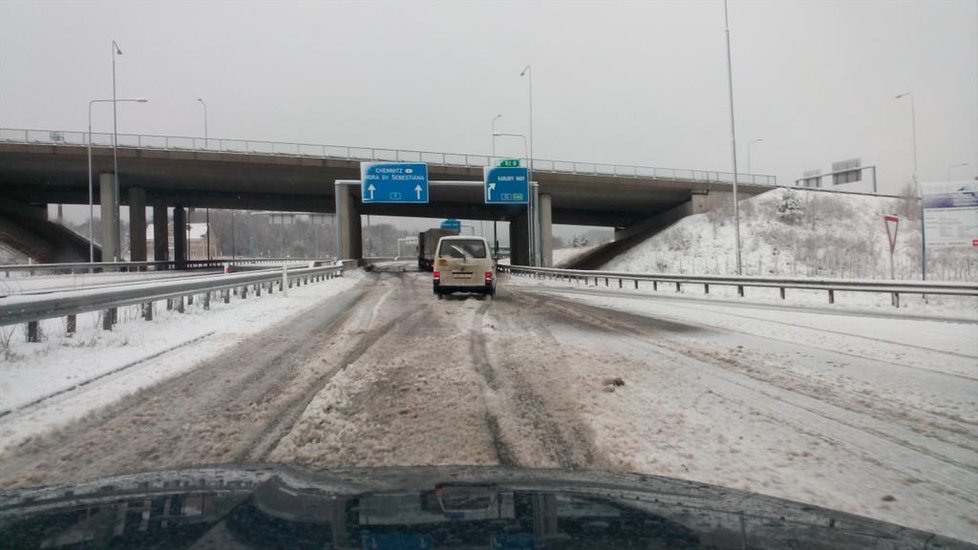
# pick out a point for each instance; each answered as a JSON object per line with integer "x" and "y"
{"x": 180, "y": 237}
{"x": 137, "y": 224}
{"x": 349, "y": 238}
{"x": 109, "y": 207}
{"x": 161, "y": 237}
{"x": 519, "y": 240}
{"x": 546, "y": 232}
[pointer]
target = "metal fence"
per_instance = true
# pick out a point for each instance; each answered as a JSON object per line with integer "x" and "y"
{"x": 831, "y": 286}
{"x": 31, "y": 309}
{"x": 345, "y": 152}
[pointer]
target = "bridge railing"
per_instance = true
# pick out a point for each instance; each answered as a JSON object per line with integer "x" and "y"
{"x": 244, "y": 146}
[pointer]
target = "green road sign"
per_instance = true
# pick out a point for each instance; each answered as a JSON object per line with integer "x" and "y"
{"x": 509, "y": 163}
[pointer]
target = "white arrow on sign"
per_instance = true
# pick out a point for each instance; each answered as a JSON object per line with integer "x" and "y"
{"x": 417, "y": 189}
{"x": 489, "y": 189}
{"x": 371, "y": 188}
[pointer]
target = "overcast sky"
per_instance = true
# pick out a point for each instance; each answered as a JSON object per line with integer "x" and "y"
{"x": 619, "y": 82}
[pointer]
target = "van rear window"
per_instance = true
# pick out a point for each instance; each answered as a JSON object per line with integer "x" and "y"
{"x": 463, "y": 248}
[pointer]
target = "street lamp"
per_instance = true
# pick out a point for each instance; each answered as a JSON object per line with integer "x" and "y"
{"x": 205, "y": 121}
{"x": 207, "y": 211}
{"x": 749, "y": 144}
{"x": 492, "y": 149}
{"x": 534, "y": 230}
{"x": 115, "y": 149}
{"x": 958, "y": 165}
{"x": 91, "y": 208}
{"x": 521, "y": 136}
{"x": 733, "y": 139}
{"x": 492, "y": 135}
{"x": 913, "y": 118}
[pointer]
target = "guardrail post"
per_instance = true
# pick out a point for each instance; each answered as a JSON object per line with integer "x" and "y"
{"x": 169, "y": 304}
{"x": 115, "y": 315}
{"x": 207, "y": 300}
{"x": 226, "y": 295}
{"x": 896, "y": 299}
{"x": 831, "y": 296}
{"x": 33, "y": 332}
{"x": 244, "y": 292}
{"x": 107, "y": 319}
{"x": 655, "y": 285}
{"x": 678, "y": 287}
{"x": 258, "y": 289}
{"x": 605, "y": 281}
{"x": 72, "y": 324}
{"x": 148, "y": 311}
{"x": 636, "y": 284}
{"x": 180, "y": 308}
{"x": 619, "y": 283}
{"x": 706, "y": 288}
{"x": 740, "y": 290}
{"x": 190, "y": 299}
{"x": 782, "y": 293}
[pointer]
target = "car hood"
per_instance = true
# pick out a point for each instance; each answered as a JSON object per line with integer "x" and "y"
{"x": 426, "y": 507}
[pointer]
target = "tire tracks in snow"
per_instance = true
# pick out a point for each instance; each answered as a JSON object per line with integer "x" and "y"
{"x": 809, "y": 414}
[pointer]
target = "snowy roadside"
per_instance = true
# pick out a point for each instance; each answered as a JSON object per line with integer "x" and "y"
{"x": 134, "y": 355}
{"x": 958, "y": 307}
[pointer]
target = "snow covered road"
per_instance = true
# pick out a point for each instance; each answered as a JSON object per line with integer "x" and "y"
{"x": 870, "y": 414}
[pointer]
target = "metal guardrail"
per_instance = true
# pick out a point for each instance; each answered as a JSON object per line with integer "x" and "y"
{"x": 84, "y": 267}
{"x": 894, "y": 288}
{"x": 31, "y": 309}
{"x": 251, "y": 147}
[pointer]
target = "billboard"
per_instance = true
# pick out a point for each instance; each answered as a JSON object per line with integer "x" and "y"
{"x": 950, "y": 213}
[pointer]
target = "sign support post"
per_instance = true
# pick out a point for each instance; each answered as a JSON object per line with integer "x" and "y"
{"x": 890, "y": 220}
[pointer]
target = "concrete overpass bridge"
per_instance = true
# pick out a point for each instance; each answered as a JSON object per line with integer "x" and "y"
{"x": 40, "y": 167}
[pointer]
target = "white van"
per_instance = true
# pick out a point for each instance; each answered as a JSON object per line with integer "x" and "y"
{"x": 463, "y": 264}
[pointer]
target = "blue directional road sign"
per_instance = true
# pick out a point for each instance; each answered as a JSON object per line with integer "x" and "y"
{"x": 394, "y": 182}
{"x": 506, "y": 185}
{"x": 451, "y": 223}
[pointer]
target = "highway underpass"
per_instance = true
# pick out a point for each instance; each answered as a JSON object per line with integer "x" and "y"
{"x": 41, "y": 167}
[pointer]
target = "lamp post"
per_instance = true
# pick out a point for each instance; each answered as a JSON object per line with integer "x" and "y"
{"x": 492, "y": 150}
{"x": 115, "y": 146}
{"x": 207, "y": 211}
{"x": 749, "y": 144}
{"x": 91, "y": 208}
{"x": 534, "y": 230}
{"x": 958, "y": 165}
{"x": 733, "y": 139}
{"x": 913, "y": 121}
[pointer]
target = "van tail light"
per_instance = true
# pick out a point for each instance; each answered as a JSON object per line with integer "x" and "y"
{"x": 488, "y": 277}
{"x": 436, "y": 276}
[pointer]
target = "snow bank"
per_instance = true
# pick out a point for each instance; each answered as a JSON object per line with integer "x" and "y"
{"x": 821, "y": 234}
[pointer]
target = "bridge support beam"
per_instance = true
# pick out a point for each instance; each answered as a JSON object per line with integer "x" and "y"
{"x": 137, "y": 224}
{"x": 348, "y": 232}
{"x": 519, "y": 240}
{"x": 546, "y": 231}
{"x": 161, "y": 237}
{"x": 109, "y": 207}
{"x": 180, "y": 237}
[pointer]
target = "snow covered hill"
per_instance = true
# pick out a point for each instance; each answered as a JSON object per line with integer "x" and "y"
{"x": 793, "y": 232}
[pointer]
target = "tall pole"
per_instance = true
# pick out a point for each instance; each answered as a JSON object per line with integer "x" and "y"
{"x": 115, "y": 151}
{"x": 923, "y": 241}
{"x": 207, "y": 211}
{"x": 492, "y": 149}
{"x": 733, "y": 138}
{"x": 528, "y": 73}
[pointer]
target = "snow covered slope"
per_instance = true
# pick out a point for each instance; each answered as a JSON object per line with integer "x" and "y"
{"x": 812, "y": 234}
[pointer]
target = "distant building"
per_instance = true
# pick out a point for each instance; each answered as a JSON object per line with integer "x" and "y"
{"x": 196, "y": 242}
